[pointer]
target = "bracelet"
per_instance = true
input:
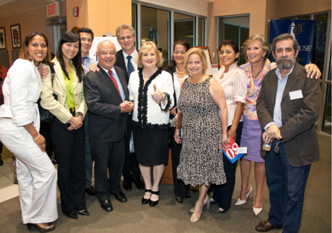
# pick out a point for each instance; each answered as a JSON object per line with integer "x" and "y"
{"x": 35, "y": 139}
{"x": 165, "y": 96}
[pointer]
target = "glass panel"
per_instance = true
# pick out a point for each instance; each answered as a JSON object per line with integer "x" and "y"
{"x": 244, "y": 35}
{"x": 201, "y": 30}
{"x": 133, "y": 15}
{"x": 184, "y": 28}
{"x": 154, "y": 25}
{"x": 234, "y": 28}
{"x": 318, "y": 50}
{"x": 327, "y": 112}
{"x": 134, "y": 20}
{"x": 232, "y": 22}
{"x": 231, "y": 32}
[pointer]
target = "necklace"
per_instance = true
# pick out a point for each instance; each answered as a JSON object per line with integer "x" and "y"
{"x": 176, "y": 70}
{"x": 258, "y": 72}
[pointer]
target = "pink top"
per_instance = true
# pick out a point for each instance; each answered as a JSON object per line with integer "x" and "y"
{"x": 254, "y": 87}
{"x": 234, "y": 84}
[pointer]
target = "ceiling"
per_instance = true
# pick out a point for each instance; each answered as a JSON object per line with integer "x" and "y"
{"x": 12, "y": 7}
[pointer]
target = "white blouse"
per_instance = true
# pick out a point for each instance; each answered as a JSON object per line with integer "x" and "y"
{"x": 234, "y": 84}
{"x": 147, "y": 112}
{"x": 177, "y": 85}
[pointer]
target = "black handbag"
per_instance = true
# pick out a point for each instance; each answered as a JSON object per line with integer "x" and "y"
{"x": 46, "y": 115}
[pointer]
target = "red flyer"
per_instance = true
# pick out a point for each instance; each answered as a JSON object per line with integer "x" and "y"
{"x": 230, "y": 150}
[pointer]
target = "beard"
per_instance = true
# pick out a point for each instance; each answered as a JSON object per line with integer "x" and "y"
{"x": 285, "y": 63}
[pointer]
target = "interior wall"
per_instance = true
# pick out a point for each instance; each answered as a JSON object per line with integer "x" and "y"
{"x": 197, "y": 7}
{"x": 302, "y": 7}
{"x": 103, "y": 17}
{"x": 30, "y": 20}
{"x": 212, "y": 34}
{"x": 272, "y": 13}
{"x": 82, "y": 19}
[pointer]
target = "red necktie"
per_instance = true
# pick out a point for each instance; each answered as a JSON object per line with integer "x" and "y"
{"x": 114, "y": 81}
{"x": 83, "y": 58}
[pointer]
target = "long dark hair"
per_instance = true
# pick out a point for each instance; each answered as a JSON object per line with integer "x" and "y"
{"x": 24, "y": 54}
{"x": 184, "y": 43}
{"x": 71, "y": 37}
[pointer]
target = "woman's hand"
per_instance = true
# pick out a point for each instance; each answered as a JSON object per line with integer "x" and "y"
{"x": 43, "y": 70}
{"x": 75, "y": 123}
{"x": 126, "y": 106}
{"x": 157, "y": 95}
{"x": 224, "y": 138}
{"x": 40, "y": 141}
{"x": 94, "y": 67}
{"x": 312, "y": 71}
{"x": 232, "y": 133}
{"x": 174, "y": 111}
{"x": 177, "y": 137}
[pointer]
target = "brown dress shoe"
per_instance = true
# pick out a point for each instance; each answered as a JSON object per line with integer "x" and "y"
{"x": 266, "y": 226}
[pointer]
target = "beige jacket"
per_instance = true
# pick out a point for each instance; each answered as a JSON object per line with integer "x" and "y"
{"x": 58, "y": 107}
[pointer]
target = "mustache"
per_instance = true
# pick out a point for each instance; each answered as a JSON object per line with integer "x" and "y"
{"x": 285, "y": 63}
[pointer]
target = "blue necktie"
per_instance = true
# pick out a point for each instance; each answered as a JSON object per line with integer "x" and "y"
{"x": 130, "y": 67}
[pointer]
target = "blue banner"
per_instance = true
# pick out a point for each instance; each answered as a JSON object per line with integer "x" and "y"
{"x": 302, "y": 30}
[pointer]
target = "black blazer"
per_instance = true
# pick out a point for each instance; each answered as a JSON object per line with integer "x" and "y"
{"x": 298, "y": 115}
{"x": 106, "y": 123}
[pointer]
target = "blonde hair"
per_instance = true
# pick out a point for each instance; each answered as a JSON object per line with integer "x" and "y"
{"x": 125, "y": 27}
{"x": 256, "y": 37}
{"x": 145, "y": 48}
{"x": 200, "y": 53}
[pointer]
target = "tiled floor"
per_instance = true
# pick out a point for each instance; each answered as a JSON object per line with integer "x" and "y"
{"x": 8, "y": 189}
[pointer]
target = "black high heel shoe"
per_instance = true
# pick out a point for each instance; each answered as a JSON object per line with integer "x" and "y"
{"x": 154, "y": 203}
{"x": 48, "y": 228}
{"x": 146, "y": 201}
{"x": 83, "y": 212}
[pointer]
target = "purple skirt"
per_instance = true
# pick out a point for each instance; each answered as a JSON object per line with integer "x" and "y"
{"x": 251, "y": 138}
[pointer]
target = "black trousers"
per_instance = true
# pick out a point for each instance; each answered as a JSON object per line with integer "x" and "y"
{"x": 223, "y": 193}
{"x": 69, "y": 148}
{"x": 45, "y": 130}
{"x": 108, "y": 156}
{"x": 131, "y": 168}
{"x": 180, "y": 189}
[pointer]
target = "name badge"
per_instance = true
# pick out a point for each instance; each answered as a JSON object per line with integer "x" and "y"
{"x": 242, "y": 150}
{"x": 296, "y": 95}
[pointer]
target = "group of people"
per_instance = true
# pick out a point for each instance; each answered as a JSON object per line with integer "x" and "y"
{"x": 99, "y": 109}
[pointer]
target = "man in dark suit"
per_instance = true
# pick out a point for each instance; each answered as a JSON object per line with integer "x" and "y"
{"x": 126, "y": 59}
{"x": 287, "y": 107}
{"x": 106, "y": 95}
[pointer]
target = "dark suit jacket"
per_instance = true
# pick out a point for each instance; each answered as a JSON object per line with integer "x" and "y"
{"x": 121, "y": 62}
{"x": 106, "y": 123}
{"x": 298, "y": 115}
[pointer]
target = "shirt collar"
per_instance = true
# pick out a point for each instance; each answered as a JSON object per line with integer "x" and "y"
{"x": 133, "y": 54}
{"x": 113, "y": 70}
{"x": 286, "y": 76}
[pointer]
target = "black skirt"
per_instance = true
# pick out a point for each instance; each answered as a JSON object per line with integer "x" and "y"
{"x": 151, "y": 145}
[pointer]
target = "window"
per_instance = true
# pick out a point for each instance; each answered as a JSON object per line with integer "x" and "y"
{"x": 184, "y": 27}
{"x": 234, "y": 28}
{"x": 154, "y": 27}
{"x": 201, "y": 31}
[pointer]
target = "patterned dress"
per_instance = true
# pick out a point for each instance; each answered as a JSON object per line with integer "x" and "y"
{"x": 201, "y": 160}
